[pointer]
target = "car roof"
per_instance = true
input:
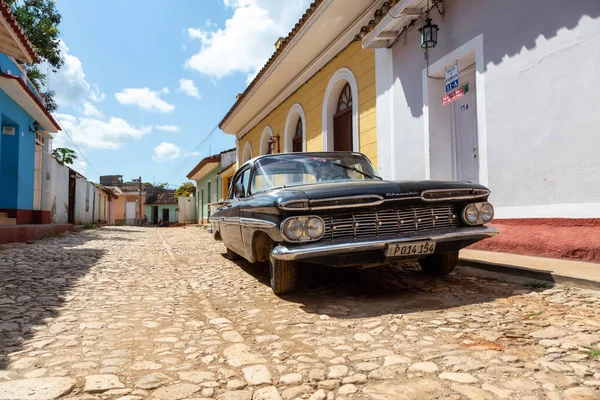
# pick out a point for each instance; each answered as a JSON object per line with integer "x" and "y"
{"x": 305, "y": 153}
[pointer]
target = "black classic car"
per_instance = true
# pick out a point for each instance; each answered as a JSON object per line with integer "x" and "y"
{"x": 330, "y": 208}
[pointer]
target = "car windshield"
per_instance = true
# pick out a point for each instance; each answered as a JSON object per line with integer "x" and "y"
{"x": 302, "y": 169}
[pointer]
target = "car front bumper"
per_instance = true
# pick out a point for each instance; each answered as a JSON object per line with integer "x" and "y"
{"x": 326, "y": 248}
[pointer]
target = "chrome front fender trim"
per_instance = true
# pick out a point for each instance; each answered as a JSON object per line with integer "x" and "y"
{"x": 325, "y": 248}
{"x": 256, "y": 223}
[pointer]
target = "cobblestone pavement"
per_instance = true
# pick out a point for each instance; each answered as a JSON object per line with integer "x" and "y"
{"x": 137, "y": 313}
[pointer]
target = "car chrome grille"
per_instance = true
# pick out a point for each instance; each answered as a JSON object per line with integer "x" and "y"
{"x": 390, "y": 222}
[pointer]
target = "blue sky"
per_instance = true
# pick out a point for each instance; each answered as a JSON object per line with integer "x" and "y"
{"x": 145, "y": 81}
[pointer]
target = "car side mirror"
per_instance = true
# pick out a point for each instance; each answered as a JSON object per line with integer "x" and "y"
{"x": 238, "y": 190}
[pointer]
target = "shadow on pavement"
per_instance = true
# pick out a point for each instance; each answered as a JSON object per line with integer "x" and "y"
{"x": 35, "y": 281}
{"x": 363, "y": 293}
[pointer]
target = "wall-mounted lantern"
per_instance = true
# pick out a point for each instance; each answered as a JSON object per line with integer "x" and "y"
{"x": 271, "y": 144}
{"x": 428, "y": 34}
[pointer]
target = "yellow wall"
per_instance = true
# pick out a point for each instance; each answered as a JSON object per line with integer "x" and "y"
{"x": 311, "y": 96}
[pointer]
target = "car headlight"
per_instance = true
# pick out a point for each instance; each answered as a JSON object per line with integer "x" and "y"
{"x": 477, "y": 213}
{"x": 314, "y": 228}
{"x": 486, "y": 212}
{"x": 298, "y": 229}
{"x": 471, "y": 214}
{"x": 293, "y": 229}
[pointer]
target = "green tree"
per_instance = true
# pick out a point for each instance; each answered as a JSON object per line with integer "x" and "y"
{"x": 40, "y": 20}
{"x": 185, "y": 190}
{"x": 64, "y": 155}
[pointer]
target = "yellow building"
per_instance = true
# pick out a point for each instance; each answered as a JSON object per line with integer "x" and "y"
{"x": 317, "y": 92}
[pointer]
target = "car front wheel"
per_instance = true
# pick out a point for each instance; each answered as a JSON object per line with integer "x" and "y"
{"x": 283, "y": 276}
{"x": 439, "y": 264}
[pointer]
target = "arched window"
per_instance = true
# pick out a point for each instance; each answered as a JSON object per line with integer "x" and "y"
{"x": 342, "y": 121}
{"x": 298, "y": 135}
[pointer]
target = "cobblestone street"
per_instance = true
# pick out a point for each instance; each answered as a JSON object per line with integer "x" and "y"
{"x": 145, "y": 313}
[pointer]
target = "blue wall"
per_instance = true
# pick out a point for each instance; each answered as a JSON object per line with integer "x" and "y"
{"x": 17, "y": 156}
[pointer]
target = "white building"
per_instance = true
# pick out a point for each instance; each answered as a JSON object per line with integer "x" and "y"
{"x": 528, "y": 127}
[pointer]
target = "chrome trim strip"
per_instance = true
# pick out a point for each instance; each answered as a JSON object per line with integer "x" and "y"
{"x": 313, "y": 204}
{"x": 281, "y": 252}
{"x": 466, "y": 197}
{"x": 256, "y": 223}
{"x": 404, "y": 198}
{"x": 230, "y": 220}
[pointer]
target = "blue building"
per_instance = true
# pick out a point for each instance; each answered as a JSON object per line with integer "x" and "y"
{"x": 25, "y": 133}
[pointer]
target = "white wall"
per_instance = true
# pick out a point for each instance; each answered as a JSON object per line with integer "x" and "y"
{"x": 187, "y": 210}
{"x": 540, "y": 69}
{"x": 228, "y": 158}
{"x": 59, "y": 192}
{"x": 85, "y": 191}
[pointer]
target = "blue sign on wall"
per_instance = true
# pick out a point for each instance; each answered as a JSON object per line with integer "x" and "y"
{"x": 451, "y": 77}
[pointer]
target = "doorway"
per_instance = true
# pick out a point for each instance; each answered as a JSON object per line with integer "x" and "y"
{"x": 154, "y": 215}
{"x": 71, "y": 212}
{"x": 464, "y": 131}
{"x": 455, "y": 127}
{"x": 165, "y": 215}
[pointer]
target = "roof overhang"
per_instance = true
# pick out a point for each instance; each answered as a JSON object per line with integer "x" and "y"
{"x": 13, "y": 40}
{"x": 228, "y": 171}
{"x": 204, "y": 167}
{"x": 393, "y": 23}
{"x": 17, "y": 89}
{"x": 332, "y": 26}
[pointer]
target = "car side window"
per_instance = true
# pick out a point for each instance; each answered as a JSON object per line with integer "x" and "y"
{"x": 242, "y": 178}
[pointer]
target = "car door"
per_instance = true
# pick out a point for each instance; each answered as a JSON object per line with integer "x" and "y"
{"x": 231, "y": 230}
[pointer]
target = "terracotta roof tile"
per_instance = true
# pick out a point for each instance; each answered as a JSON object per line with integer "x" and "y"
{"x": 10, "y": 17}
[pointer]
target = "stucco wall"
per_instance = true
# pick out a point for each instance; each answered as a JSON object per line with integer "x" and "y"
{"x": 119, "y": 205}
{"x": 539, "y": 102}
{"x": 311, "y": 96}
{"x": 59, "y": 192}
{"x": 202, "y": 195}
{"x": 86, "y": 202}
{"x": 173, "y": 213}
{"x": 16, "y": 156}
{"x": 187, "y": 210}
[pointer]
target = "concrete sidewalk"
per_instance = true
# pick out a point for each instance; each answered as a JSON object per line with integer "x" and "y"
{"x": 576, "y": 273}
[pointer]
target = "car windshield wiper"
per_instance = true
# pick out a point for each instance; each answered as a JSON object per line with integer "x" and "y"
{"x": 357, "y": 170}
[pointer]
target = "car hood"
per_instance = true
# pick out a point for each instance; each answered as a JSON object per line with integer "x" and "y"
{"x": 385, "y": 189}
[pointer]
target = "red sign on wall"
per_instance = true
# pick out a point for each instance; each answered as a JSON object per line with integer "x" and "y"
{"x": 450, "y": 97}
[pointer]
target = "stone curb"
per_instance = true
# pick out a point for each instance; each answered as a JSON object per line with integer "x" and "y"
{"x": 530, "y": 273}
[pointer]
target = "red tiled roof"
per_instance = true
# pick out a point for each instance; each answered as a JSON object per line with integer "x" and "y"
{"x": 201, "y": 164}
{"x": 34, "y": 97}
{"x": 10, "y": 17}
{"x": 310, "y": 11}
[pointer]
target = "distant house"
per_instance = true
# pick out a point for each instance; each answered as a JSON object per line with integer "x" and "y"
{"x": 210, "y": 185}
{"x": 25, "y": 140}
{"x": 127, "y": 206}
{"x": 161, "y": 206}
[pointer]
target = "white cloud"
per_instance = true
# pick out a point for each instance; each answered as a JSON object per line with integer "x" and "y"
{"x": 69, "y": 83}
{"x": 165, "y": 152}
{"x": 167, "y": 128}
{"x": 145, "y": 99}
{"x": 186, "y": 86}
{"x": 248, "y": 38}
{"x": 94, "y": 133}
{"x": 192, "y": 154}
{"x": 91, "y": 110}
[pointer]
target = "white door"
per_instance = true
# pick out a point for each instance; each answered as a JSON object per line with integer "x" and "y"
{"x": 130, "y": 212}
{"x": 37, "y": 178}
{"x": 465, "y": 132}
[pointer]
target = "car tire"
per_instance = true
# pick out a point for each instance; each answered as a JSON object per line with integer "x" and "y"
{"x": 282, "y": 276}
{"x": 439, "y": 264}
{"x": 231, "y": 255}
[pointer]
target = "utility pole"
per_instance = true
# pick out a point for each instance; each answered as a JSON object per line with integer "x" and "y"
{"x": 140, "y": 201}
